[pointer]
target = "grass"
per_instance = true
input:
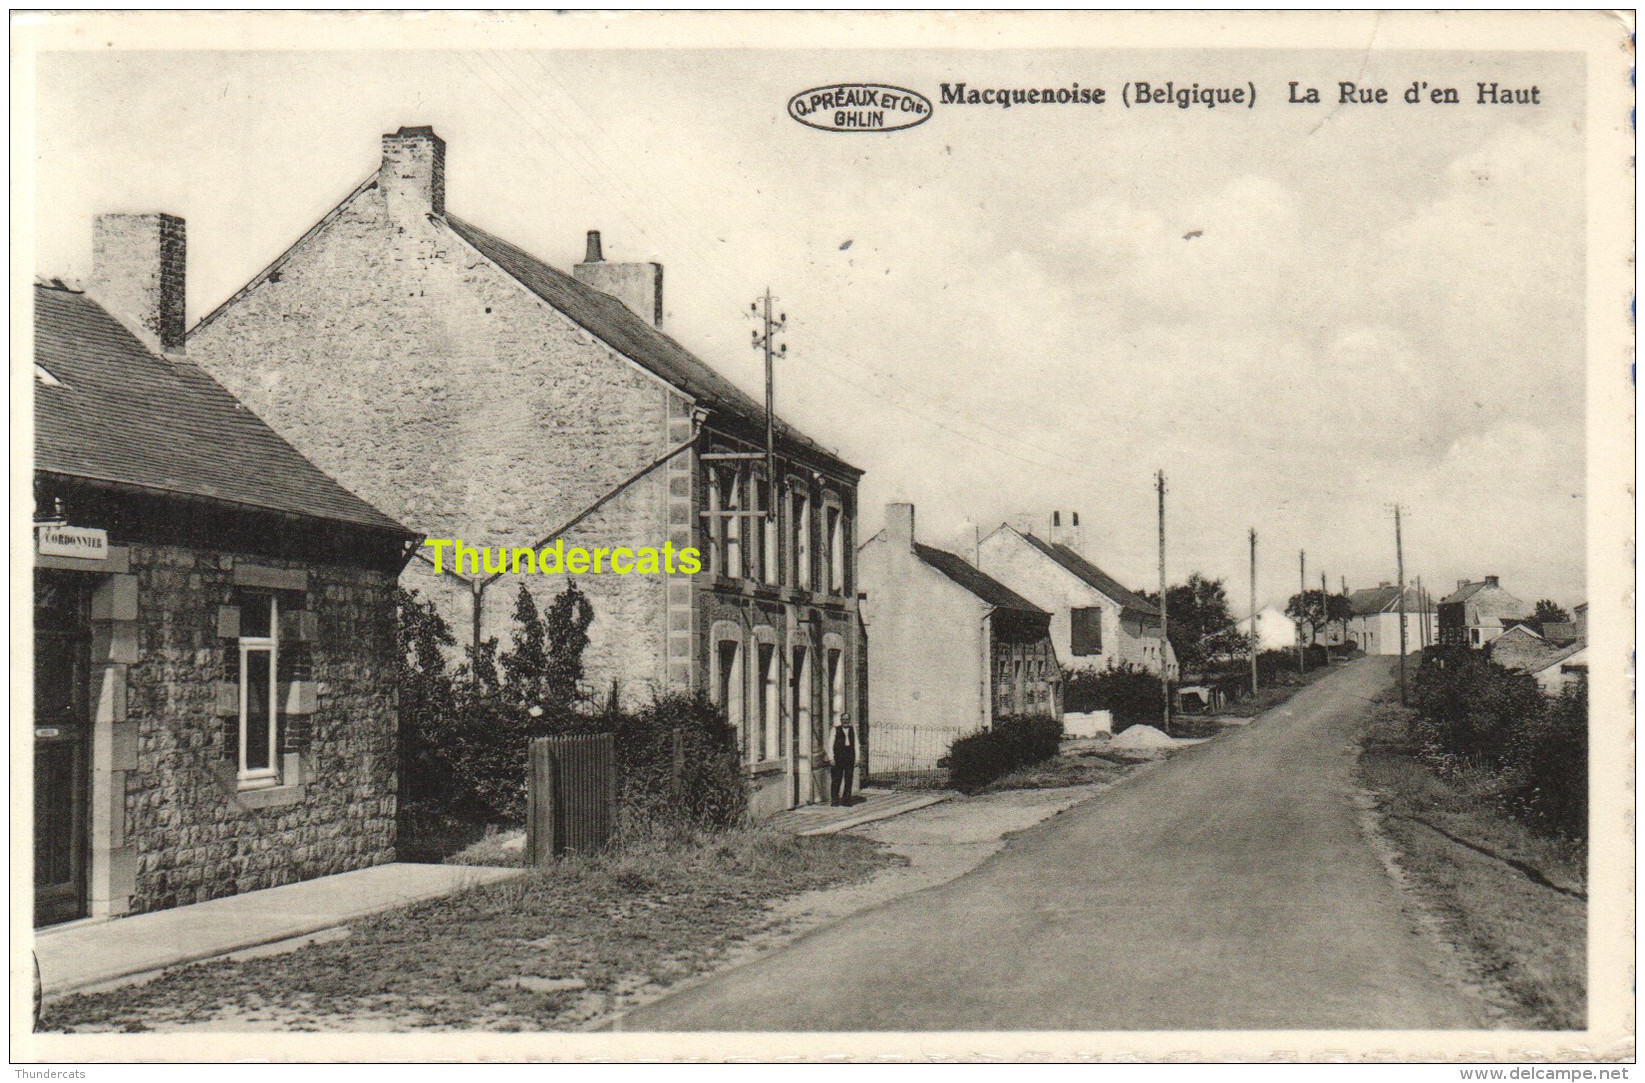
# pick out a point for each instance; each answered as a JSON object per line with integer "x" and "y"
{"x": 1079, "y": 766}
{"x": 1479, "y": 869}
{"x": 662, "y": 909}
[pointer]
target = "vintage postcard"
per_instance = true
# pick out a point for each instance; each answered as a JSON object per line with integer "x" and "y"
{"x": 829, "y": 535}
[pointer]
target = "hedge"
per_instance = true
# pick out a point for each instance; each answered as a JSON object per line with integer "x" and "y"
{"x": 1016, "y": 741}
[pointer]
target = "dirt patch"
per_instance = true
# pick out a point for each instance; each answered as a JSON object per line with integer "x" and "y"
{"x": 653, "y": 915}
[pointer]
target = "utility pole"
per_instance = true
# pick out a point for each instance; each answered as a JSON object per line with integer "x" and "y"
{"x": 766, "y": 340}
{"x": 1325, "y": 613}
{"x": 1422, "y": 617}
{"x": 1253, "y": 611}
{"x": 1302, "y": 607}
{"x": 1399, "y": 557}
{"x": 1164, "y": 617}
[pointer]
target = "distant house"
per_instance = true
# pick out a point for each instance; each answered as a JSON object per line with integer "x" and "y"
{"x": 1523, "y": 647}
{"x": 1473, "y": 614}
{"x": 1374, "y": 624}
{"x": 1274, "y": 630}
{"x": 951, "y": 649}
{"x": 1579, "y": 618}
{"x": 1095, "y": 622}
{"x": 214, "y": 647}
{"x": 1564, "y": 668}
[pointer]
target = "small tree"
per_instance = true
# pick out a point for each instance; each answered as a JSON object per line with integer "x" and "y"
{"x": 1201, "y": 628}
{"x": 1550, "y": 612}
{"x": 1318, "y": 609}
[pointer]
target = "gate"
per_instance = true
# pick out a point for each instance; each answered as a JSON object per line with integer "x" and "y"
{"x": 571, "y": 796}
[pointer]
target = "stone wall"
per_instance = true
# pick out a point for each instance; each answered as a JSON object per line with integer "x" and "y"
{"x": 195, "y": 837}
{"x": 438, "y": 388}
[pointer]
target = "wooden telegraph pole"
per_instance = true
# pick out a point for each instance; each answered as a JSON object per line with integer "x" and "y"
{"x": 767, "y": 340}
{"x": 1164, "y": 617}
{"x": 1399, "y": 558}
{"x": 1325, "y": 611}
{"x": 1253, "y": 611}
{"x": 1302, "y": 607}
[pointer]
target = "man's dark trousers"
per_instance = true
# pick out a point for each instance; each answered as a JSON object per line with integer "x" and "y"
{"x": 843, "y": 771}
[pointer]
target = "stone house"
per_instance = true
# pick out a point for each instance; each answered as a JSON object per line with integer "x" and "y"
{"x": 1095, "y": 622}
{"x": 1566, "y": 667}
{"x": 951, "y": 648}
{"x": 214, "y": 650}
{"x": 480, "y": 394}
{"x": 1472, "y": 615}
{"x": 1525, "y": 647}
{"x": 1374, "y": 625}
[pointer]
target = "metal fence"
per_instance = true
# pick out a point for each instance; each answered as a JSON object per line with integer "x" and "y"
{"x": 571, "y": 796}
{"x": 901, "y": 748}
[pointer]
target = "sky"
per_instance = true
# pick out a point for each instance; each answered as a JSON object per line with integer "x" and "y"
{"x": 1303, "y": 315}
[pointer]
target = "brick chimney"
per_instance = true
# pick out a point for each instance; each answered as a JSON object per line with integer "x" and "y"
{"x": 1065, "y": 529}
{"x": 413, "y": 175}
{"x": 1491, "y": 581}
{"x": 637, "y": 285}
{"x": 899, "y": 527}
{"x": 138, "y": 273}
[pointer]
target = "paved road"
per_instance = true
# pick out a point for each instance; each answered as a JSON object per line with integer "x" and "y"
{"x": 1228, "y": 888}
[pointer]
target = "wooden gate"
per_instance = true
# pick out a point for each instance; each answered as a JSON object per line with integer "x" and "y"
{"x": 571, "y": 796}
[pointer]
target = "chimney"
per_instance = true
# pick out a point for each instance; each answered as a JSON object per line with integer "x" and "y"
{"x": 1461, "y": 583}
{"x": 1384, "y": 583}
{"x": 899, "y": 527}
{"x": 639, "y": 286}
{"x": 138, "y": 273}
{"x": 1065, "y": 529}
{"x": 1491, "y": 581}
{"x": 413, "y": 175}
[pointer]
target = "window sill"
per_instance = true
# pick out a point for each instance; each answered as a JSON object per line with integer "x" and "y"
{"x": 272, "y": 796}
{"x": 767, "y": 767}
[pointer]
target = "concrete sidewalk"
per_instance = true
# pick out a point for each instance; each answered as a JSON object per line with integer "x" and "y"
{"x": 84, "y": 955}
{"x": 869, "y": 805}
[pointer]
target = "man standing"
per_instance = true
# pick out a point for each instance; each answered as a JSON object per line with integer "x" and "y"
{"x": 844, "y": 762}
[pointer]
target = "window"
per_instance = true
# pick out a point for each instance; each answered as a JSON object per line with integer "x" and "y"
{"x": 802, "y": 540}
{"x": 258, "y": 651}
{"x": 770, "y": 707}
{"x": 1474, "y": 635}
{"x": 799, "y": 678}
{"x": 731, "y": 491}
{"x": 836, "y": 688}
{"x": 1085, "y": 630}
{"x": 835, "y": 553}
{"x": 731, "y": 683}
{"x": 767, "y": 560}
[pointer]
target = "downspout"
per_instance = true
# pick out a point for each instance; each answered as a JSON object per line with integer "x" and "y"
{"x": 986, "y": 707}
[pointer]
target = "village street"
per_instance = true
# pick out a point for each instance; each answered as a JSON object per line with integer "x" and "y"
{"x": 1232, "y": 887}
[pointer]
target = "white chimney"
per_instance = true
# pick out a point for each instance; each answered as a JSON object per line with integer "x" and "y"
{"x": 1065, "y": 529}
{"x": 639, "y": 286}
{"x": 138, "y": 273}
{"x": 413, "y": 175}
{"x": 899, "y": 527}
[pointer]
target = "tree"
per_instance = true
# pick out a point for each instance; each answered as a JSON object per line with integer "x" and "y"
{"x": 1550, "y": 612}
{"x": 1201, "y": 628}
{"x": 1318, "y": 609}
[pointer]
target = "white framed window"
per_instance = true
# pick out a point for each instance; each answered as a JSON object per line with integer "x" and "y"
{"x": 729, "y": 656}
{"x": 731, "y": 499}
{"x": 836, "y": 688}
{"x": 836, "y": 551}
{"x": 768, "y": 533}
{"x": 802, "y": 540}
{"x": 770, "y": 704}
{"x": 258, "y": 763}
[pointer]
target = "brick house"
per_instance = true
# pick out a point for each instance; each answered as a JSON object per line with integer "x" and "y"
{"x": 952, "y": 648}
{"x": 478, "y": 393}
{"x": 1473, "y": 614}
{"x": 1095, "y": 622}
{"x": 213, "y": 618}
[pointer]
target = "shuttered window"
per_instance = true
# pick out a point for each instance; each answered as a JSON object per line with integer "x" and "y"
{"x": 1086, "y": 631}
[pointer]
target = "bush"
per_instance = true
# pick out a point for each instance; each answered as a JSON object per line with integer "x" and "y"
{"x": 709, "y": 791}
{"x": 1133, "y": 694}
{"x": 1548, "y": 765}
{"x": 1016, "y": 741}
{"x": 1471, "y": 708}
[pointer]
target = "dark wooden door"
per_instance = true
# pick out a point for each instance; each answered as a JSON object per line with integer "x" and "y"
{"x": 62, "y": 743}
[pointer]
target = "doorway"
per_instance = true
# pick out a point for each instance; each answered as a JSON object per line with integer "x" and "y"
{"x": 799, "y": 702}
{"x": 62, "y": 743}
